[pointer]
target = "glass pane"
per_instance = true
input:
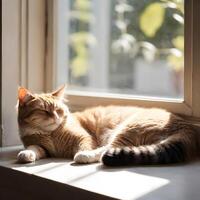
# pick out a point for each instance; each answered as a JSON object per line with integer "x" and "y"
{"x": 133, "y": 47}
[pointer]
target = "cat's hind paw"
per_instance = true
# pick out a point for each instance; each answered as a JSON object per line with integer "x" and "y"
{"x": 26, "y": 156}
{"x": 84, "y": 157}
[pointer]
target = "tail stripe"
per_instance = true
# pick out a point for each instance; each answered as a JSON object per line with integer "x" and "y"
{"x": 144, "y": 155}
{"x": 174, "y": 152}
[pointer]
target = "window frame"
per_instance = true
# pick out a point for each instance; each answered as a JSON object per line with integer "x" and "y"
{"x": 23, "y": 58}
{"x": 189, "y": 106}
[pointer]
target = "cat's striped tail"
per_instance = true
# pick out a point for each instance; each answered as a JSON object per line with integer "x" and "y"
{"x": 162, "y": 153}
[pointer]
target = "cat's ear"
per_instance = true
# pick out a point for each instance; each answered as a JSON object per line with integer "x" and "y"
{"x": 24, "y": 95}
{"x": 60, "y": 92}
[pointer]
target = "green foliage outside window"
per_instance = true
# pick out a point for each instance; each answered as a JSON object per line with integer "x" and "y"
{"x": 142, "y": 28}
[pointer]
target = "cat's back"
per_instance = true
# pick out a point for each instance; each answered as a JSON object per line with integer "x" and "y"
{"x": 99, "y": 113}
{"x": 111, "y": 116}
{"x": 123, "y": 112}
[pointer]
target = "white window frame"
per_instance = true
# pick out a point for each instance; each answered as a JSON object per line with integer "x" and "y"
{"x": 23, "y": 58}
{"x": 189, "y": 106}
{"x": 29, "y": 58}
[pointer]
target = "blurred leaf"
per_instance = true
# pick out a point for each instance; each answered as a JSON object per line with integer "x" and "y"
{"x": 176, "y": 63}
{"x": 181, "y": 7}
{"x": 79, "y": 66}
{"x": 83, "y": 16}
{"x": 152, "y": 19}
{"x": 81, "y": 50}
{"x": 82, "y": 38}
{"x": 176, "y": 57}
{"x": 148, "y": 45}
{"x": 82, "y": 5}
{"x": 123, "y": 7}
{"x": 125, "y": 44}
{"x": 174, "y": 4}
{"x": 121, "y": 24}
{"x": 178, "y": 18}
{"x": 175, "y": 52}
{"x": 178, "y": 42}
{"x": 149, "y": 51}
{"x": 170, "y": 5}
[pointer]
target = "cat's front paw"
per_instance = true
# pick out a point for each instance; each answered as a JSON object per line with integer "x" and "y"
{"x": 85, "y": 157}
{"x": 26, "y": 156}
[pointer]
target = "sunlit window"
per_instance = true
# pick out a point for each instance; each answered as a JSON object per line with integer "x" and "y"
{"x": 133, "y": 47}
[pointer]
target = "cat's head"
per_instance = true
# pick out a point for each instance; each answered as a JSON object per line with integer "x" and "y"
{"x": 44, "y": 112}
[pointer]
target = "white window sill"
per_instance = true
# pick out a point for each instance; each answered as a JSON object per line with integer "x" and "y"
{"x": 54, "y": 178}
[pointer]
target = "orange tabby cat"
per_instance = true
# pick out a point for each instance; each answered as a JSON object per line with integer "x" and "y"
{"x": 114, "y": 135}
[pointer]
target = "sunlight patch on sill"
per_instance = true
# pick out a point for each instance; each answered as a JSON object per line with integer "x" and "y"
{"x": 60, "y": 170}
{"x": 140, "y": 184}
{"x": 96, "y": 178}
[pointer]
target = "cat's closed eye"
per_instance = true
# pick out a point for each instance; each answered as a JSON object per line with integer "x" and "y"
{"x": 40, "y": 112}
{"x": 47, "y": 112}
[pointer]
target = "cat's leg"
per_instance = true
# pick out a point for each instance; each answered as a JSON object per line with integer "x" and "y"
{"x": 89, "y": 156}
{"x": 31, "y": 154}
{"x": 88, "y": 150}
